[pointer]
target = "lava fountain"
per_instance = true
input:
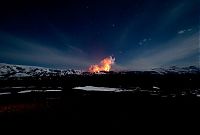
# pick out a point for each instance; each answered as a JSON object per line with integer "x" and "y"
{"x": 104, "y": 65}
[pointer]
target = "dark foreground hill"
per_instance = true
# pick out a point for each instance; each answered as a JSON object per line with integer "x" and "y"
{"x": 133, "y": 100}
{"x": 88, "y": 111}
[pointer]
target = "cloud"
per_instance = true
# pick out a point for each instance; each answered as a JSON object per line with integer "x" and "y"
{"x": 20, "y": 50}
{"x": 183, "y": 31}
{"x": 170, "y": 53}
{"x": 75, "y": 49}
{"x": 140, "y": 43}
{"x": 145, "y": 40}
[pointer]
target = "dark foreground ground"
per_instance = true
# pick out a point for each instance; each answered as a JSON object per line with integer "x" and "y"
{"x": 63, "y": 111}
{"x": 160, "y": 102}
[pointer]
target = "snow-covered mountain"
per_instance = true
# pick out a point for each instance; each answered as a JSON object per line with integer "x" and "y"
{"x": 8, "y": 70}
{"x": 177, "y": 70}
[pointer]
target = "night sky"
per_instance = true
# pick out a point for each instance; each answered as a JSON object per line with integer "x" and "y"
{"x": 140, "y": 34}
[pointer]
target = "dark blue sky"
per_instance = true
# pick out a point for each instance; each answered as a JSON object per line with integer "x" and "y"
{"x": 140, "y": 34}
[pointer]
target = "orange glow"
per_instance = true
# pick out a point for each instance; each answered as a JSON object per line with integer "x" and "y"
{"x": 105, "y": 65}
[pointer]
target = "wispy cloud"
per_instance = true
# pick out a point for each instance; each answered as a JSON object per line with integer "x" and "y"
{"x": 184, "y": 31}
{"x": 145, "y": 40}
{"x": 75, "y": 49}
{"x": 166, "y": 54}
{"x": 37, "y": 54}
{"x": 181, "y": 31}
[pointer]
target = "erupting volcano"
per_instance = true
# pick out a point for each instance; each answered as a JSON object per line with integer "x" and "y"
{"x": 105, "y": 65}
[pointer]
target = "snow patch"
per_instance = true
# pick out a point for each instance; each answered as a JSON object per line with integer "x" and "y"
{"x": 92, "y": 88}
{"x": 28, "y": 91}
{"x": 5, "y": 93}
{"x": 53, "y": 90}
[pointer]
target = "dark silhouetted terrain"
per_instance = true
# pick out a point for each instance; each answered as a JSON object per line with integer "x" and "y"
{"x": 114, "y": 100}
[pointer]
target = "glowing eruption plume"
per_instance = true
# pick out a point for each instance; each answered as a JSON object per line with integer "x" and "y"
{"x": 105, "y": 65}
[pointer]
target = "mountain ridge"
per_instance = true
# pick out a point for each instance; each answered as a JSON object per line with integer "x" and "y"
{"x": 11, "y": 70}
